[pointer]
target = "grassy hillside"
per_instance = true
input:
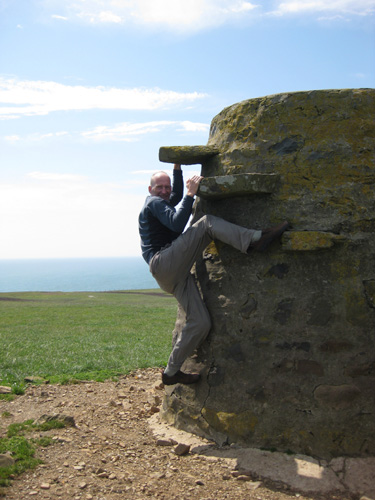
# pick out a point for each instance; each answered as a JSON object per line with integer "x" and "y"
{"x": 63, "y": 336}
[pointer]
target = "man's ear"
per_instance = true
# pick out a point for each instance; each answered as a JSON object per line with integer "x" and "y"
{"x": 149, "y": 189}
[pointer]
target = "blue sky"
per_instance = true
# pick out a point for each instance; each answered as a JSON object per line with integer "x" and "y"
{"x": 90, "y": 89}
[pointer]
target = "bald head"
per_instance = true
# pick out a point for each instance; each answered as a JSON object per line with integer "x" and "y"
{"x": 155, "y": 175}
{"x": 160, "y": 185}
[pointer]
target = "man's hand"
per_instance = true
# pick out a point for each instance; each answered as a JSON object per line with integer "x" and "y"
{"x": 192, "y": 185}
{"x": 176, "y": 166}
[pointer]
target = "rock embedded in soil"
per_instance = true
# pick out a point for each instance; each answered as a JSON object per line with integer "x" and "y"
{"x": 6, "y": 460}
{"x": 182, "y": 449}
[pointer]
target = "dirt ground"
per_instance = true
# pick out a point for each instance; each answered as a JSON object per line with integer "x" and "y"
{"x": 112, "y": 452}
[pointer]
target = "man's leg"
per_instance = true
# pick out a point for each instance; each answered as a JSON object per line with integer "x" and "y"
{"x": 197, "y": 325}
{"x": 172, "y": 265}
{"x": 171, "y": 268}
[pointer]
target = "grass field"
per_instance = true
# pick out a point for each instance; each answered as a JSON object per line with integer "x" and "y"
{"x": 87, "y": 336}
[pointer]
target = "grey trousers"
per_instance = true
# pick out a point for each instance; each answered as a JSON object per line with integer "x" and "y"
{"x": 171, "y": 269}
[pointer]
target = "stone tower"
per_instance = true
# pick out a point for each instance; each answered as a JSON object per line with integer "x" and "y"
{"x": 290, "y": 361}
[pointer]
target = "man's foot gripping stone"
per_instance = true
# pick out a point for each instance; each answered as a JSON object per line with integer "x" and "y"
{"x": 268, "y": 236}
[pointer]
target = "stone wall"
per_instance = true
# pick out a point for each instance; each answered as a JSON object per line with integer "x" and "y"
{"x": 290, "y": 361}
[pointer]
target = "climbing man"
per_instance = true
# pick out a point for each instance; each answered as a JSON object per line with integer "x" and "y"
{"x": 170, "y": 253}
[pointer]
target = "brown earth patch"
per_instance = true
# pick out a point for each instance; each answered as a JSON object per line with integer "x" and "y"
{"x": 112, "y": 453}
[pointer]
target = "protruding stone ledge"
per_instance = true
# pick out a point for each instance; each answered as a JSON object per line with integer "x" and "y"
{"x": 227, "y": 186}
{"x": 305, "y": 241}
{"x": 187, "y": 155}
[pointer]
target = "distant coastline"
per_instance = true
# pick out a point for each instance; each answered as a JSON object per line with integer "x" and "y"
{"x": 75, "y": 275}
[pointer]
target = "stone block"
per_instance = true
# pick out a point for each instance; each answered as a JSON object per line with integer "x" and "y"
{"x": 187, "y": 155}
{"x": 229, "y": 186}
{"x": 289, "y": 361}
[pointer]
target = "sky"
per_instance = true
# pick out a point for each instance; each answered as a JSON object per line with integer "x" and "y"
{"x": 91, "y": 89}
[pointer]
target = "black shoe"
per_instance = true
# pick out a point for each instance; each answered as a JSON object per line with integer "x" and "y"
{"x": 180, "y": 378}
{"x": 268, "y": 235}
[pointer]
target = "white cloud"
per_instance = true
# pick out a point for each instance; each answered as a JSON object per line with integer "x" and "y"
{"x": 175, "y": 15}
{"x": 240, "y": 7}
{"x": 40, "y": 137}
{"x": 181, "y": 15}
{"x": 357, "y": 7}
{"x": 131, "y": 131}
{"x": 42, "y": 97}
{"x": 126, "y": 131}
{"x": 65, "y": 215}
{"x": 35, "y": 137}
{"x": 13, "y": 139}
{"x": 62, "y": 18}
{"x": 334, "y": 17}
{"x": 106, "y": 17}
{"x": 194, "y": 127}
{"x": 192, "y": 15}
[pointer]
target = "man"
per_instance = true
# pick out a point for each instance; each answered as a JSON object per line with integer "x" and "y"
{"x": 171, "y": 253}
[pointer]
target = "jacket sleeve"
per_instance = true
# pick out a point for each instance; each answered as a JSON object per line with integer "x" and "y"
{"x": 173, "y": 219}
{"x": 177, "y": 188}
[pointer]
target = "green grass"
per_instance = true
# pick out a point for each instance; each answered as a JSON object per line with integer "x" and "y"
{"x": 64, "y": 337}
{"x": 22, "y": 449}
{"x": 84, "y": 336}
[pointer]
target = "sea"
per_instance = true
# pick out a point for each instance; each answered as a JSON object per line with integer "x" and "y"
{"x": 75, "y": 275}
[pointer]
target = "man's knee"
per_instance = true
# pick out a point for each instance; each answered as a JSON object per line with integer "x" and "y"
{"x": 206, "y": 220}
{"x": 207, "y": 223}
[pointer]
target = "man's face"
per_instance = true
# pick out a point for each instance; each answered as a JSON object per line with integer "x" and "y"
{"x": 161, "y": 186}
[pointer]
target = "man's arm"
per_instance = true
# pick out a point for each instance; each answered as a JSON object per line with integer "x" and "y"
{"x": 168, "y": 216}
{"x": 177, "y": 187}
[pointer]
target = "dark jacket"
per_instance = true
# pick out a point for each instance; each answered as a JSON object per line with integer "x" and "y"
{"x": 159, "y": 222}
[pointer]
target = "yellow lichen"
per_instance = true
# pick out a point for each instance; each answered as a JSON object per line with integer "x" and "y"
{"x": 308, "y": 240}
{"x": 212, "y": 249}
{"x": 235, "y": 424}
